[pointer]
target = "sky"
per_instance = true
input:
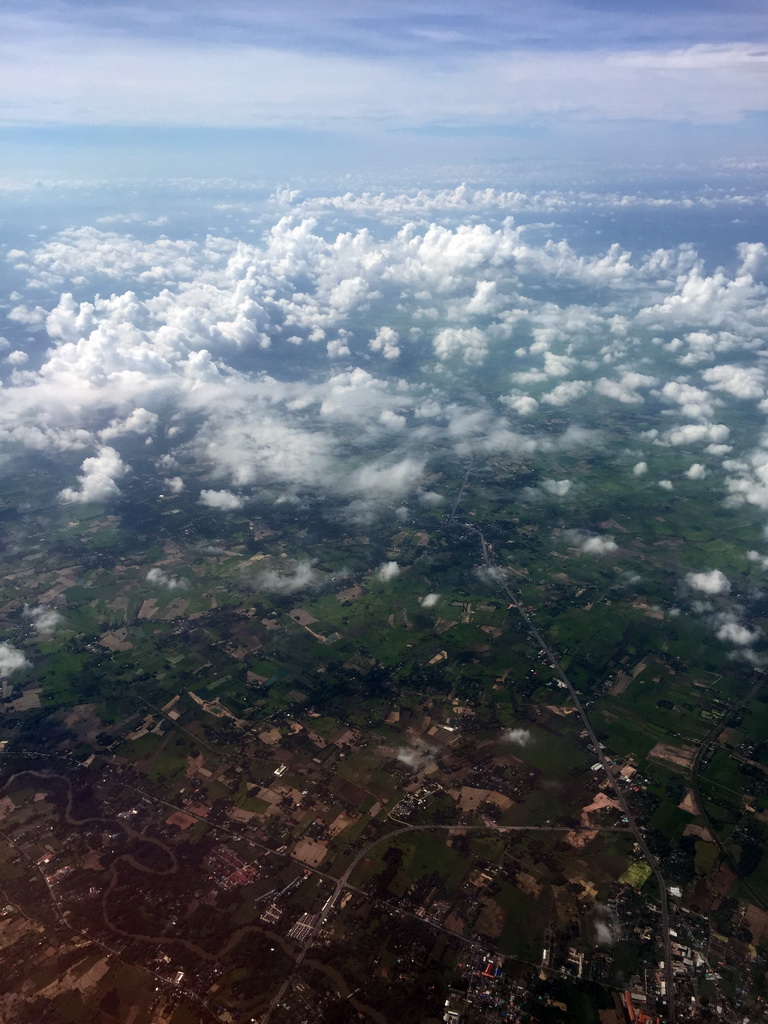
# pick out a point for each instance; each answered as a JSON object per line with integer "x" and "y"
{"x": 103, "y": 89}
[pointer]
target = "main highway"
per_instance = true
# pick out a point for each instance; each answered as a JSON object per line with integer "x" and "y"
{"x": 706, "y": 746}
{"x": 533, "y": 629}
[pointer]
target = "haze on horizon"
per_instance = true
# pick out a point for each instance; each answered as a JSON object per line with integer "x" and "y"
{"x": 92, "y": 90}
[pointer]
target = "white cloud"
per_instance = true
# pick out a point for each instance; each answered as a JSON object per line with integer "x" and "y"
{"x": 162, "y": 579}
{"x": 640, "y": 468}
{"x": 97, "y": 480}
{"x": 302, "y": 577}
{"x": 558, "y": 365}
{"x": 523, "y": 405}
{"x": 485, "y": 300}
{"x": 174, "y": 484}
{"x": 469, "y": 343}
{"x": 666, "y": 485}
{"x": 625, "y": 389}
{"x": 567, "y": 392}
{"x": 717, "y": 307}
{"x": 696, "y": 433}
{"x": 225, "y": 500}
{"x": 747, "y": 482}
{"x": 748, "y": 382}
{"x": 11, "y": 660}
{"x": 140, "y": 421}
{"x": 557, "y": 487}
{"x": 387, "y": 571}
{"x": 712, "y": 582}
{"x": 696, "y": 471}
{"x": 43, "y": 618}
{"x": 430, "y": 600}
{"x": 415, "y": 758}
{"x": 519, "y": 737}
{"x": 17, "y": 358}
{"x": 598, "y": 545}
{"x": 191, "y": 340}
{"x": 693, "y": 402}
{"x": 392, "y": 420}
{"x": 431, "y": 499}
{"x": 590, "y": 544}
{"x": 761, "y": 560}
{"x": 606, "y": 926}
{"x": 730, "y": 630}
{"x": 338, "y": 348}
{"x": 385, "y": 341}
{"x": 379, "y": 480}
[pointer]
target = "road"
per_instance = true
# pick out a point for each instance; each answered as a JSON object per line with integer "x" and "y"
{"x": 339, "y": 884}
{"x": 343, "y": 883}
{"x": 460, "y": 495}
{"x": 701, "y": 753}
{"x": 515, "y": 602}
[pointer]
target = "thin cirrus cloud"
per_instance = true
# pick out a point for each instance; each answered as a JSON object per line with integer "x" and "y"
{"x": 233, "y": 67}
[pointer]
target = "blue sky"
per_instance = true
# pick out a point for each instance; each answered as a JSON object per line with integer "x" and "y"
{"x": 99, "y": 87}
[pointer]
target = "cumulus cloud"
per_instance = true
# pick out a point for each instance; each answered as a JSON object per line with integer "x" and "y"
{"x": 385, "y": 341}
{"x": 163, "y": 579}
{"x": 430, "y": 600}
{"x": 640, "y": 468}
{"x": 606, "y": 926}
{"x": 43, "y": 618}
{"x": 666, "y": 485}
{"x": 691, "y": 402}
{"x": 696, "y": 433}
{"x": 748, "y": 382}
{"x": 392, "y": 420}
{"x": 467, "y": 343}
{"x": 712, "y": 582}
{"x": 338, "y": 348}
{"x": 224, "y": 500}
{"x": 139, "y": 422}
{"x": 730, "y": 630}
{"x": 387, "y": 571}
{"x": 200, "y": 329}
{"x": 523, "y": 405}
{"x": 557, "y": 364}
{"x": 11, "y": 660}
{"x": 590, "y": 544}
{"x": 557, "y": 487}
{"x": 387, "y": 480}
{"x": 598, "y": 545}
{"x": 696, "y": 471}
{"x": 761, "y": 560}
{"x": 415, "y": 758}
{"x": 519, "y": 737}
{"x": 98, "y": 478}
{"x": 567, "y": 392}
{"x": 603, "y": 933}
{"x": 485, "y": 300}
{"x": 301, "y": 577}
{"x": 747, "y": 482}
{"x": 625, "y": 389}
